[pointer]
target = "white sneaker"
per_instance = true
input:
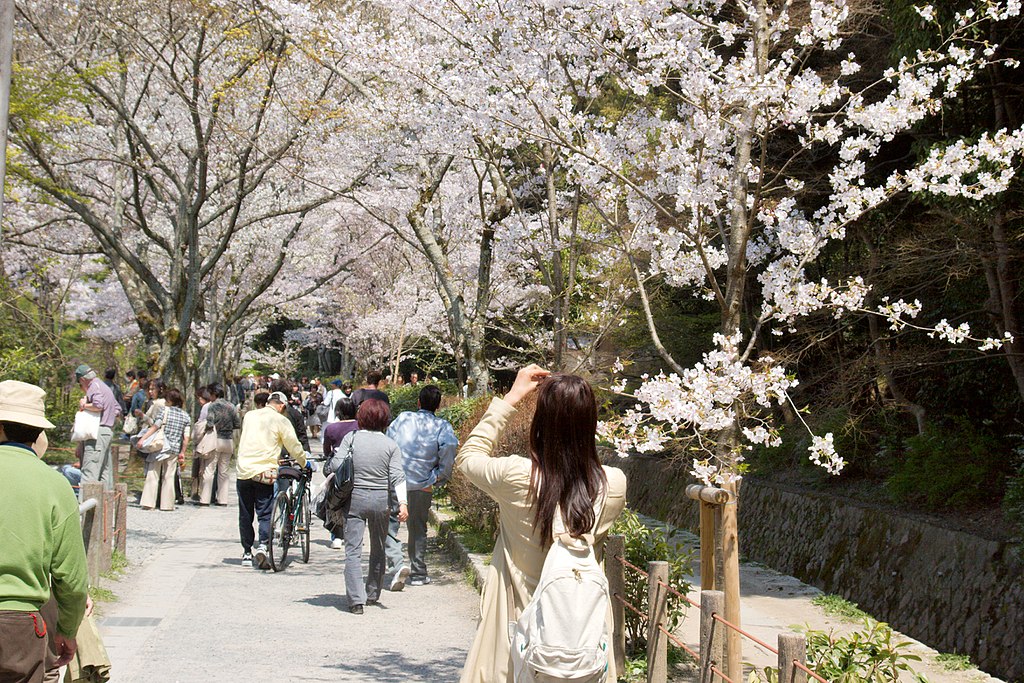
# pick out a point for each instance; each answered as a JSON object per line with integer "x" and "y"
{"x": 398, "y": 582}
{"x": 337, "y": 544}
{"x": 260, "y": 557}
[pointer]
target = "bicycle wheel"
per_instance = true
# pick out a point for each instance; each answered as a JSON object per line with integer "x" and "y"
{"x": 303, "y": 521}
{"x": 279, "y": 531}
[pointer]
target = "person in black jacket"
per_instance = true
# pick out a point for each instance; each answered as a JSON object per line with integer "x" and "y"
{"x": 293, "y": 413}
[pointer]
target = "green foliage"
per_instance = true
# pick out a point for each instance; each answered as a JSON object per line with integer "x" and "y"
{"x": 869, "y": 655}
{"x": 474, "y": 539}
{"x": 402, "y": 398}
{"x": 644, "y": 544}
{"x": 1013, "y": 502}
{"x": 459, "y": 413}
{"x": 102, "y": 594}
{"x": 953, "y": 661}
{"x": 948, "y": 468}
{"x": 838, "y": 606}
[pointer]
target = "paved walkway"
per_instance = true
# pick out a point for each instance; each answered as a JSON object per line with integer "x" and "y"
{"x": 188, "y": 611}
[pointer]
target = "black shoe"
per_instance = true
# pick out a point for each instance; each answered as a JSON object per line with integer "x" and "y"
{"x": 356, "y": 609}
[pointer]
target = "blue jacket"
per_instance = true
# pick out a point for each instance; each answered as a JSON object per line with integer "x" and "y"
{"x": 428, "y": 445}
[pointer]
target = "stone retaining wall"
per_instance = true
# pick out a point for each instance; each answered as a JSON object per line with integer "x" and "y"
{"x": 950, "y": 590}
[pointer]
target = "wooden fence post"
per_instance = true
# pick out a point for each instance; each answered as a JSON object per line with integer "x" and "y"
{"x": 94, "y": 523}
{"x": 731, "y": 582}
{"x": 712, "y": 638}
{"x": 121, "y": 518}
{"x": 707, "y": 546}
{"x": 615, "y": 571}
{"x": 792, "y": 646}
{"x": 657, "y": 607}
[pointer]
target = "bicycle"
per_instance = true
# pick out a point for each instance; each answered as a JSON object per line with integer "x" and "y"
{"x": 291, "y": 514}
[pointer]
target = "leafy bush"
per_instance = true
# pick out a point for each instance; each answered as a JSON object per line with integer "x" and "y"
{"x": 868, "y": 655}
{"x": 403, "y": 398}
{"x": 458, "y": 413}
{"x": 644, "y": 544}
{"x": 1013, "y": 502}
{"x": 948, "y": 468}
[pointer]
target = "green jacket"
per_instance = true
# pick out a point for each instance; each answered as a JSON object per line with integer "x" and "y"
{"x": 40, "y": 539}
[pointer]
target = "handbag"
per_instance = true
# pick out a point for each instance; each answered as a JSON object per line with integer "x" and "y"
{"x": 154, "y": 443}
{"x": 86, "y": 427}
{"x": 131, "y": 424}
{"x": 208, "y": 442}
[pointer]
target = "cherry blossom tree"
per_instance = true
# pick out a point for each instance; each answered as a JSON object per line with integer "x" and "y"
{"x": 191, "y": 150}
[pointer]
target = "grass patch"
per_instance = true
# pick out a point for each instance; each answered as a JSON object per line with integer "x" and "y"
{"x": 473, "y": 539}
{"x": 838, "y": 606}
{"x": 469, "y": 576}
{"x": 954, "y": 662}
{"x": 118, "y": 565}
{"x": 102, "y": 594}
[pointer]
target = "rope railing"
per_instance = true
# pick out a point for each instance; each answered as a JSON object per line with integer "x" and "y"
{"x": 655, "y": 623}
{"x": 627, "y": 605}
{"x": 745, "y": 634}
{"x": 803, "y": 667}
{"x": 678, "y": 643}
{"x": 627, "y": 563}
{"x": 718, "y": 672}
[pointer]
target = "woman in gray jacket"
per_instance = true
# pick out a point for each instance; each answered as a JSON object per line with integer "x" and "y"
{"x": 377, "y": 478}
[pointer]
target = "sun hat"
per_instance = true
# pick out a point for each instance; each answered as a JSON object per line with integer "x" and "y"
{"x": 83, "y": 371}
{"x": 23, "y": 403}
{"x": 278, "y": 397}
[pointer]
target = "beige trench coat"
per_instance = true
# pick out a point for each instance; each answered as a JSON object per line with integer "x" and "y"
{"x": 519, "y": 553}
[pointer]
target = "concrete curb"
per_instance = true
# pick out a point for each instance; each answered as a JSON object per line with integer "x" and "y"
{"x": 474, "y": 563}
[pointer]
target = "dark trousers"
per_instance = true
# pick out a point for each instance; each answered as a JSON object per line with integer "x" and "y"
{"x": 22, "y": 647}
{"x": 419, "y": 512}
{"x": 254, "y": 500}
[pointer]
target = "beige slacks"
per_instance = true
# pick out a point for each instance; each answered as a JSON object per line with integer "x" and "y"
{"x": 217, "y": 464}
{"x": 159, "y": 477}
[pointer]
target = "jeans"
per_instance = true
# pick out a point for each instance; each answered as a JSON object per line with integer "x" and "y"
{"x": 254, "y": 499}
{"x": 419, "y": 510}
{"x": 367, "y": 508}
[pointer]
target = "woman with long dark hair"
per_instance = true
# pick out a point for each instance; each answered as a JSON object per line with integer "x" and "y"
{"x": 562, "y": 472}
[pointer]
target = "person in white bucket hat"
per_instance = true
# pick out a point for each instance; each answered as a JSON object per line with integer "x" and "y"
{"x": 41, "y": 537}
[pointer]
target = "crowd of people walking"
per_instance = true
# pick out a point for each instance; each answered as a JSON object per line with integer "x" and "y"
{"x": 557, "y": 493}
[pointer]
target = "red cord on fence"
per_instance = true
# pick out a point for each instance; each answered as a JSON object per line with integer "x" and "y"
{"x": 626, "y": 604}
{"x": 800, "y": 665}
{"x": 676, "y": 593}
{"x": 718, "y": 672}
{"x": 757, "y": 640}
{"x": 627, "y": 563}
{"x": 679, "y": 643}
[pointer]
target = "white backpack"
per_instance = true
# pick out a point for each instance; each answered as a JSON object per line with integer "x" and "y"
{"x": 562, "y": 634}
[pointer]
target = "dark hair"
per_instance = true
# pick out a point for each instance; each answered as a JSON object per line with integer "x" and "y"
{"x": 160, "y": 386}
{"x": 346, "y": 386}
{"x": 344, "y": 407}
{"x": 216, "y": 390}
{"x": 563, "y": 447}
{"x": 110, "y": 374}
{"x": 260, "y": 399}
{"x": 373, "y": 415}
{"x": 430, "y": 398}
{"x": 130, "y": 373}
{"x": 174, "y": 397}
{"x": 282, "y": 385}
{"x": 204, "y": 394}
{"x": 143, "y": 384}
{"x": 142, "y": 374}
{"x": 21, "y": 433}
{"x": 373, "y": 377}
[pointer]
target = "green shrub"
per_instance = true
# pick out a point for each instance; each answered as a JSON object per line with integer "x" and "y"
{"x": 644, "y": 544}
{"x": 868, "y": 655}
{"x": 403, "y": 398}
{"x": 458, "y": 413}
{"x": 1013, "y": 502}
{"x": 949, "y": 468}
